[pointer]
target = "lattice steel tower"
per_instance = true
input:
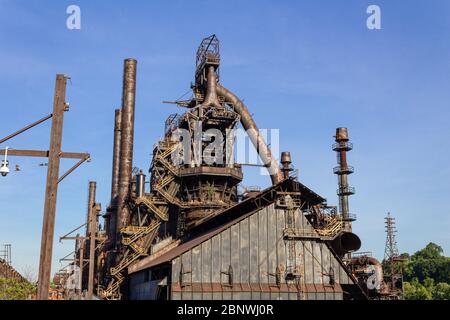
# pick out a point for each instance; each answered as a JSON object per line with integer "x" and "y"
{"x": 391, "y": 250}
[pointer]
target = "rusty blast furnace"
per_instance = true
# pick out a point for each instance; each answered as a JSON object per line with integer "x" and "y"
{"x": 192, "y": 235}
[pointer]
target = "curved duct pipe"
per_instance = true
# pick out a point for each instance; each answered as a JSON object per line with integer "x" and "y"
{"x": 252, "y": 130}
{"x": 211, "y": 98}
{"x": 346, "y": 242}
{"x": 365, "y": 260}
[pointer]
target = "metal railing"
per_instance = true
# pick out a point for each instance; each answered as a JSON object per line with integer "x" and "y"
{"x": 344, "y": 145}
{"x": 344, "y": 170}
{"x": 345, "y": 191}
{"x": 351, "y": 217}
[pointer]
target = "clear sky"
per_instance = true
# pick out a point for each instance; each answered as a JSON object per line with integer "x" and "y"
{"x": 305, "y": 67}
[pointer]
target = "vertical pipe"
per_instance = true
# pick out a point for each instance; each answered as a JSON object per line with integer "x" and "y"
{"x": 51, "y": 189}
{"x": 112, "y": 219}
{"x": 140, "y": 184}
{"x": 116, "y": 154}
{"x": 211, "y": 98}
{"x": 342, "y": 136}
{"x": 126, "y": 142}
{"x": 286, "y": 161}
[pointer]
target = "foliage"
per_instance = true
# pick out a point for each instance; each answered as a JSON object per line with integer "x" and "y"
{"x": 427, "y": 274}
{"x": 14, "y": 289}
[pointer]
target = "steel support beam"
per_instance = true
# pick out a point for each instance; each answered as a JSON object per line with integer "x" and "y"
{"x": 45, "y": 154}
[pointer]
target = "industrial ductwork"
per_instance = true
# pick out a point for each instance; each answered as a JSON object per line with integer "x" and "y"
{"x": 253, "y": 132}
{"x": 366, "y": 261}
{"x": 211, "y": 98}
{"x": 346, "y": 242}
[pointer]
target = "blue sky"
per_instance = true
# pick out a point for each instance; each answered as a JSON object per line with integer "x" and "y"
{"x": 305, "y": 67}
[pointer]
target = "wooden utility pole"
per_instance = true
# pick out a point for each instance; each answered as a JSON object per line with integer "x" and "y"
{"x": 54, "y": 155}
{"x": 51, "y": 189}
{"x": 93, "y": 211}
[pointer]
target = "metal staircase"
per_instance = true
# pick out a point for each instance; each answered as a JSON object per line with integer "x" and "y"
{"x": 139, "y": 238}
{"x": 333, "y": 225}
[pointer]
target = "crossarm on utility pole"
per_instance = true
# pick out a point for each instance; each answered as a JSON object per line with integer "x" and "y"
{"x": 64, "y": 237}
{"x": 66, "y": 256}
{"x": 12, "y": 135}
{"x": 44, "y": 154}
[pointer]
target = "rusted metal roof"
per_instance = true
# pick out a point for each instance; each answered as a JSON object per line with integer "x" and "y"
{"x": 223, "y": 220}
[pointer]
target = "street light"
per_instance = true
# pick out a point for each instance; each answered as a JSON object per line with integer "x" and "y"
{"x": 4, "y": 170}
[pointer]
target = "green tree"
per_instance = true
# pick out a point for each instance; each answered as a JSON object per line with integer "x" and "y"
{"x": 14, "y": 289}
{"x": 427, "y": 274}
{"x": 416, "y": 291}
{"x": 441, "y": 291}
{"x": 428, "y": 263}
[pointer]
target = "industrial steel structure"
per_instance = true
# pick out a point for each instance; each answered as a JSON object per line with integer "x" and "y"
{"x": 192, "y": 235}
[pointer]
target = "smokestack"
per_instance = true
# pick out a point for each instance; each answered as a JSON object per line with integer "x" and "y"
{"x": 111, "y": 216}
{"x": 140, "y": 184}
{"x": 341, "y": 146}
{"x": 286, "y": 161}
{"x": 126, "y": 141}
{"x": 116, "y": 154}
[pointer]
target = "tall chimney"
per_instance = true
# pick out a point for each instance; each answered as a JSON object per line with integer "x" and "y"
{"x": 126, "y": 142}
{"x": 116, "y": 154}
{"x": 341, "y": 146}
{"x": 111, "y": 221}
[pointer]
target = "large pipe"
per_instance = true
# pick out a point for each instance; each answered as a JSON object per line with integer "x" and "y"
{"x": 365, "y": 260}
{"x": 252, "y": 130}
{"x": 116, "y": 154}
{"x": 346, "y": 242}
{"x": 126, "y": 142}
{"x": 111, "y": 221}
{"x": 211, "y": 98}
{"x": 140, "y": 184}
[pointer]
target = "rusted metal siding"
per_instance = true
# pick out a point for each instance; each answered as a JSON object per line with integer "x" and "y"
{"x": 254, "y": 247}
{"x": 142, "y": 288}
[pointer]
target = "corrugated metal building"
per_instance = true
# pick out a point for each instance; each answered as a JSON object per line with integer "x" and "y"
{"x": 263, "y": 248}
